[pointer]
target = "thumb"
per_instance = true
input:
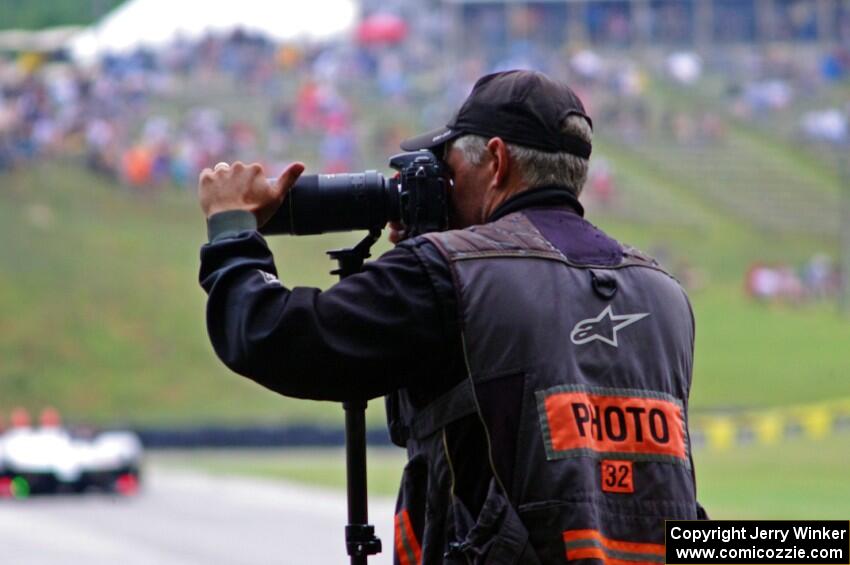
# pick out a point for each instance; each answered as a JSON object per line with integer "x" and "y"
{"x": 287, "y": 180}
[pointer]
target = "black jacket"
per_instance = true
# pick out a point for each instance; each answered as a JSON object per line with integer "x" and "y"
{"x": 395, "y": 325}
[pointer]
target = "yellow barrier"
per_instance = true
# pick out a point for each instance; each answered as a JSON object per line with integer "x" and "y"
{"x": 771, "y": 425}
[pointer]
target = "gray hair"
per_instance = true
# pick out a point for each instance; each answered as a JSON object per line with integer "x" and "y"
{"x": 538, "y": 167}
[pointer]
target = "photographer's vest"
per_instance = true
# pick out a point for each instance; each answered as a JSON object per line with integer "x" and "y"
{"x": 602, "y": 354}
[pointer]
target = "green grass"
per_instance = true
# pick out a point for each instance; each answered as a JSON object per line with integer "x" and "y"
{"x": 101, "y": 314}
{"x": 793, "y": 480}
{"x": 751, "y": 354}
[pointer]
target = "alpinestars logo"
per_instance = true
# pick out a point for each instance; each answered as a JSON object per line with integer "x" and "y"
{"x": 603, "y": 327}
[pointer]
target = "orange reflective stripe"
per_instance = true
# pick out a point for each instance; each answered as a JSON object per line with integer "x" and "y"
{"x": 586, "y": 553}
{"x": 575, "y": 535}
{"x": 406, "y": 545}
{"x": 399, "y": 544}
{"x": 591, "y": 544}
{"x": 411, "y": 537}
{"x": 608, "y": 560}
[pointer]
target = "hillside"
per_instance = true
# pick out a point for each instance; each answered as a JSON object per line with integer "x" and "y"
{"x": 100, "y": 310}
{"x": 101, "y": 314}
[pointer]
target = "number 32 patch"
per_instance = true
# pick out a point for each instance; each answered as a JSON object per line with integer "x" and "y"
{"x": 617, "y": 476}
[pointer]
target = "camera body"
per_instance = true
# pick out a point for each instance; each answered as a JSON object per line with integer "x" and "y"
{"x": 423, "y": 184}
{"x": 416, "y": 197}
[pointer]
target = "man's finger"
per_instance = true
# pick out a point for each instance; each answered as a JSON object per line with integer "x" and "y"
{"x": 205, "y": 177}
{"x": 287, "y": 179}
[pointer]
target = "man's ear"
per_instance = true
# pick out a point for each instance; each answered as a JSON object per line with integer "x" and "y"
{"x": 499, "y": 163}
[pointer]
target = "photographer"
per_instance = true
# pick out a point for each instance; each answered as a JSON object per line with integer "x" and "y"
{"x": 536, "y": 370}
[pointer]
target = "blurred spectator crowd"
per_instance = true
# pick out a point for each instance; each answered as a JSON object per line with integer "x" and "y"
{"x": 122, "y": 116}
{"x": 798, "y": 87}
{"x": 152, "y": 118}
{"x": 819, "y": 278}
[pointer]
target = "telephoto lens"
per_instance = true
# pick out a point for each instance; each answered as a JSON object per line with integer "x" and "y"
{"x": 334, "y": 203}
{"x": 417, "y": 198}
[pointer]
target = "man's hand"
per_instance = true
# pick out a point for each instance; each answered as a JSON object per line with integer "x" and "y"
{"x": 244, "y": 187}
{"x": 397, "y": 233}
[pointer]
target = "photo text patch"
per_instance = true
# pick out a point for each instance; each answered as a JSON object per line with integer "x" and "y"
{"x": 612, "y": 423}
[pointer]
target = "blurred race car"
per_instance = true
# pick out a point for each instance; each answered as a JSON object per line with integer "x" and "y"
{"x": 52, "y": 459}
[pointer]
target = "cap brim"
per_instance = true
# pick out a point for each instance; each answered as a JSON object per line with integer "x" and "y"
{"x": 430, "y": 140}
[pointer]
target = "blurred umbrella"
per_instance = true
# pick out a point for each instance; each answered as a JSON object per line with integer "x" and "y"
{"x": 381, "y": 28}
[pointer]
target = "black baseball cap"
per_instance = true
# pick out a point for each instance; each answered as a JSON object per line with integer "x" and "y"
{"x": 522, "y": 107}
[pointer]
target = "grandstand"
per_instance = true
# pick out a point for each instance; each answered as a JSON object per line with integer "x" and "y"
{"x": 695, "y": 23}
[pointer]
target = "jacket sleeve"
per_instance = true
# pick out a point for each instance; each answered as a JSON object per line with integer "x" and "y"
{"x": 368, "y": 335}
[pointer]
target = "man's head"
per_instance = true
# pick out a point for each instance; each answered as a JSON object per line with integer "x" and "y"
{"x": 516, "y": 130}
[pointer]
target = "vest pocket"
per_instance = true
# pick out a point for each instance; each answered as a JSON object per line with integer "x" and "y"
{"x": 566, "y": 531}
{"x": 496, "y": 536}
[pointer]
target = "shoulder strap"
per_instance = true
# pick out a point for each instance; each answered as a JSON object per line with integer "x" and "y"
{"x": 458, "y": 402}
{"x": 516, "y": 236}
{"x": 512, "y": 235}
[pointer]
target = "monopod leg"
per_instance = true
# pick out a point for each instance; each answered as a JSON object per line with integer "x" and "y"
{"x": 360, "y": 537}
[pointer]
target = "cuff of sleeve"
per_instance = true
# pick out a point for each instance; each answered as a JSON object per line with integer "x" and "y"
{"x": 230, "y": 224}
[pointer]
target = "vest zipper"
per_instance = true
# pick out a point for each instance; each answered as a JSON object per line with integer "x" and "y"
{"x": 452, "y": 474}
{"x": 449, "y": 461}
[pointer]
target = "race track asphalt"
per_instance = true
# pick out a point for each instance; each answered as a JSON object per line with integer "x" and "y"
{"x": 187, "y": 518}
